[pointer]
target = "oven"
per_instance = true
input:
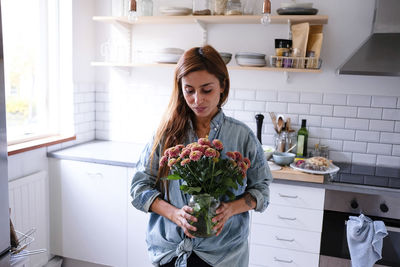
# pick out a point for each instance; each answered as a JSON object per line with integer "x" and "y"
{"x": 339, "y": 205}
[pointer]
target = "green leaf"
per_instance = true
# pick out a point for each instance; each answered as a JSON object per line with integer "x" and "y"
{"x": 174, "y": 177}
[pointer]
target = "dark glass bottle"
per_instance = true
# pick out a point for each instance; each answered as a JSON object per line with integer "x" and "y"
{"x": 302, "y": 140}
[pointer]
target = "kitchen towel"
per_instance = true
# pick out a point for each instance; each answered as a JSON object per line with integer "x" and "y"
{"x": 365, "y": 240}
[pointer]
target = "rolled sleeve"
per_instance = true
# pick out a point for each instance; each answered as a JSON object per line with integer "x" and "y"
{"x": 143, "y": 190}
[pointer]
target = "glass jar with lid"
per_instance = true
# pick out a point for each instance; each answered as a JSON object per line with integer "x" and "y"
{"x": 233, "y": 7}
{"x": 219, "y": 7}
{"x": 201, "y": 7}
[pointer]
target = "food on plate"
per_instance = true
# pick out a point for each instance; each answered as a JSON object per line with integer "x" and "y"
{"x": 314, "y": 163}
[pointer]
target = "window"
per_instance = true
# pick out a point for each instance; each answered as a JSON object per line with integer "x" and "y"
{"x": 37, "y": 93}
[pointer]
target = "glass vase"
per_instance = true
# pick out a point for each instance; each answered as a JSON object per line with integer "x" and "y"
{"x": 204, "y": 209}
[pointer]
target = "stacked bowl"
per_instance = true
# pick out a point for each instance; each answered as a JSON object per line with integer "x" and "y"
{"x": 250, "y": 59}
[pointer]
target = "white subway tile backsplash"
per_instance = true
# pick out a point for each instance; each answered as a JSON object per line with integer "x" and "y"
{"x": 398, "y": 102}
{"x": 245, "y": 94}
{"x": 334, "y": 99}
{"x": 396, "y": 150}
{"x": 343, "y": 134}
{"x": 359, "y": 100}
{"x": 312, "y": 142}
{"x": 268, "y": 128}
{"x": 266, "y": 95}
{"x": 344, "y": 111}
{"x": 384, "y": 101}
{"x": 365, "y": 159}
{"x": 322, "y": 110}
{"x": 339, "y": 156}
{"x": 102, "y": 116}
{"x": 258, "y": 106}
{"x": 336, "y": 145}
{"x": 381, "y": 125}
{"x": 311, "y": 98}
{"x": 391, "y": 114}
{"x": 352, "y": 146}
{"x": 311, "y": 120}
{"x": 369, "y": 113}
{"x": 230, "y": 113}
{"x": 332, "y": 122}
{"x": 102, "y": 97}
{"x": 379, "y": 149}
{"x": 397, "y": 127}
{"x": 292, "y": 97}
{"x": 367, "y": 136}
{"x": 298, "y": 108}
{"x": 390, "y": 138}
{"x": 277, "y": 107}
{"x": 359, "y": 124}
{"x": 234, "y": 105}
{"x": 245, "y": 116}
{"x": 388, "y": 161}
{"x": 317, "y": 132}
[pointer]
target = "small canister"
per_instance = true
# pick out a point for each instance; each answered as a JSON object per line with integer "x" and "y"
{"x": 282, "y": 46}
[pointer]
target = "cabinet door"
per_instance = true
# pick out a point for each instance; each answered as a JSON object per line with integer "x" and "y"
{"x": 89, "y": 205}
{"x": 137, "y": 225}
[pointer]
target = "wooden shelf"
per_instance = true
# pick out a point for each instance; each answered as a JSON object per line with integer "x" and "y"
{"x": 245, "y": 19}
{"x": 133, "y": 65}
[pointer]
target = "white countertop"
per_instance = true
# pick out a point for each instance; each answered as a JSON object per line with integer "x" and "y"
{"x": 102, "y": 152}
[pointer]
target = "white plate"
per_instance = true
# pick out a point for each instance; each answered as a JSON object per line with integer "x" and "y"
{"x": 332, "y": 169}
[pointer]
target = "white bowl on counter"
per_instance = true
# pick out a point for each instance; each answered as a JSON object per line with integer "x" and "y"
{"x": 268, "y": 151}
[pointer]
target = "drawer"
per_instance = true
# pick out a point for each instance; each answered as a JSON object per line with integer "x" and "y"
{"x": 288, "y": 217}
{"x": 297, "y": 196}
{"x": 264, "y": 256}
{"x": 285, "y": 238}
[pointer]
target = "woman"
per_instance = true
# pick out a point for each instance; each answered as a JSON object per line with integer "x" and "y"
{"x": 194, "y": 111}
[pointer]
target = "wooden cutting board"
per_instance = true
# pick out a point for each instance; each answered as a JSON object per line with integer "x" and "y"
{"x": 288, "y": 173}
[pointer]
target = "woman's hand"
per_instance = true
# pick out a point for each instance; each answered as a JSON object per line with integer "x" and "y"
{"x": 181, "y": 217}
{"x": 224, "y": 212}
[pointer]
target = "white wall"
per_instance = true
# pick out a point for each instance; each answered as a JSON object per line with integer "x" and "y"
{"x": 357, "y": 116}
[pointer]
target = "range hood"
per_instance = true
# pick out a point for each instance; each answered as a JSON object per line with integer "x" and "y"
{"x": 379, "y": 55}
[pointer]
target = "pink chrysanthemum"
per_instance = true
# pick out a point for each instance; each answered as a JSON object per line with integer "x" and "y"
{"x": 180, "y": 146}
{"x": 231, "y": 155}
{"x": 171, "y": 162}
{"x": 189, "y": 146}
{"x": 185, "y": 152}
{"x": 198, "y": 147}
{"x": 163, "y": 161}
{"x": 218, "y": 144}
{"x": 247, "y": 161}
{"x": 185, "y": 161}
{"x": 204, "y": 142}
{"x": 195, "y": 155}
{"x": 242, "y": 165}
{"x": 174, "y": 152}
{"x": 233, "y": 163}
{"x": 210, "y": 152}
{"x": 238, "y": 155}
{"x": 166, "y": 152}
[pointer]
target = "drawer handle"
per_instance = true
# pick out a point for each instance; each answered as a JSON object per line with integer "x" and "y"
{"x": 287, "y": 218}
{"x": 284, "y": 239}
{"x": 285, "y": 261}
{"x": 288, "y": 196}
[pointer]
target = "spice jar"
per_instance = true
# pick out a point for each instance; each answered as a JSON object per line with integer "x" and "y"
{"x": 233, "y": 7}
{"x": 219, "y": 7}
{"x": 282, "y": 48}
{"x": 201, "y": 7}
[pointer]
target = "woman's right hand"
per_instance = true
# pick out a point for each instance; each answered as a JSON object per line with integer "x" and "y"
{"x": 181, "y": 217}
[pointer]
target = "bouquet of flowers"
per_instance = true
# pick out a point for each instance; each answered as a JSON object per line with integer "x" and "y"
{"x": 206, "y": 176}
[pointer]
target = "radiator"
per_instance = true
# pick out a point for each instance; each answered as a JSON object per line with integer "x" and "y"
{"x": 28, "y": 198}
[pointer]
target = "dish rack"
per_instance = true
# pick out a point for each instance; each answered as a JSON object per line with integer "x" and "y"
{"x": 23, "y": 241}
{"x": 295, "y": 62}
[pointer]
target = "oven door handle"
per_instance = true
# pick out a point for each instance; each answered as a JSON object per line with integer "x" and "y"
{"x": 285, "y": 261}
{"x": 287, "y": 218}
{"x": 393, "y": 229}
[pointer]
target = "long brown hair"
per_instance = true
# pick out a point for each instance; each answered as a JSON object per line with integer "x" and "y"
{"x": 174, "y": 124}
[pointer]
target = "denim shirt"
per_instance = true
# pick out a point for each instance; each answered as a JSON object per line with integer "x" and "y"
{"x": 166, "y": 240}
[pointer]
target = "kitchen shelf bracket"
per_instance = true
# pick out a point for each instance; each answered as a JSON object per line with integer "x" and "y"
{"x": 203, "y": 27}
{"x": 286, "y": 75}
{"x": 289, "y": 23}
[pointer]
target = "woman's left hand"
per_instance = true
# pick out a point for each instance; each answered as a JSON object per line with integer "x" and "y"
{"x": 224, "y": 212}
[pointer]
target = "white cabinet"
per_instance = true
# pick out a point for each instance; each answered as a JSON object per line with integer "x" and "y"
{"x": 91, "y": 215}
{"x": 288, "y": 233}
{"x": 137, "y": 225}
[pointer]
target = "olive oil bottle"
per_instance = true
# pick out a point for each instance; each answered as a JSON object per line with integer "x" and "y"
{"x": 302, "y": 140}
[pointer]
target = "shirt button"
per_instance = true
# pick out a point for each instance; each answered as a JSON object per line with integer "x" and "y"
{"x": 215, "y": 129}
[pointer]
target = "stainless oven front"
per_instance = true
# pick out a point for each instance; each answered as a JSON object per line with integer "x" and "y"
{"x": 339, "y": 206}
